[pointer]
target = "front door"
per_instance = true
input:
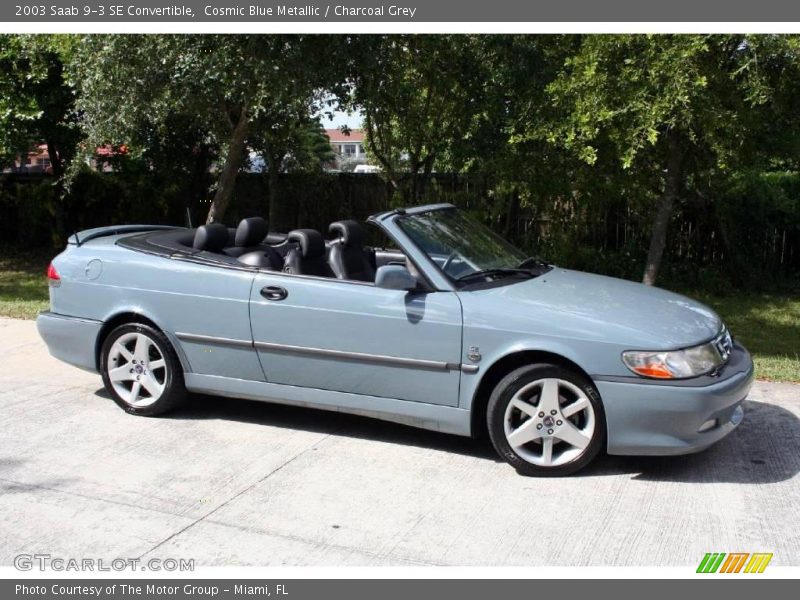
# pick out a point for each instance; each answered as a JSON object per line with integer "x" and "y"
{"x": 353, "y": 337}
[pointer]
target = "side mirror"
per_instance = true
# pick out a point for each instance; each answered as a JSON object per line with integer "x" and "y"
{"x": 395, "y": 277}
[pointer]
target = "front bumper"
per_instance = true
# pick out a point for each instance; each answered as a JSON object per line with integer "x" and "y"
{"x": 70, "y": 339}
{"x": 645, "y": 417}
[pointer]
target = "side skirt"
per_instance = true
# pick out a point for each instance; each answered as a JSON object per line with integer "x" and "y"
{"x": 416, "y": 414}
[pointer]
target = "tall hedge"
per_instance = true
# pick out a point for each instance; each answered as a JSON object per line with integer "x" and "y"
{"x": 749, "y": 235}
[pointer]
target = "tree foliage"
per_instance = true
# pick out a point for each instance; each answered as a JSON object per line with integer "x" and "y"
{"x": 226, "y": 84}
{"x": 294, "y": 144}
{"x": 553, "y": 125}
{"x": 415, "y": 95}
{"x": 36, "y": 100}
{"x": 676, "y": 109}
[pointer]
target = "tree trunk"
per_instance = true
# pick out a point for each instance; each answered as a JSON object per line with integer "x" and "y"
{"x": 55, "y": 159}
{"x": 233, "y": 162}
{"x": 413, "y": 196}
{"x": 197, "y": 190}
{"x": 378, "y": 149}
{"x": 425, "y": 177}
{"x": 59, "y": 210}
{"x": 279, "y": 219}
{"x": 512, "y": 213}
{"x": 410, "y": 196}
{"x": 672, "y": 186}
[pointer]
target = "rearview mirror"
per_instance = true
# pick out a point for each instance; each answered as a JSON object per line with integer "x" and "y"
{"x": 395, "y": 277}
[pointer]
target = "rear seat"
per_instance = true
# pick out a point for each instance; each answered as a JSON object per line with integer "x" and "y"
{"x": 210, "y": 238}
{"x": 248, "y": 236}
{"x": 250, "y": 243}
{"x": 249, "y": 247}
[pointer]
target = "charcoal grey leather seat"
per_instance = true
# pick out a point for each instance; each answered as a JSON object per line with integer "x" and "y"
{"x": 249, "y": 235}
{"x": 211, "y": 238}
{"x": 249, "y": 247}
{"x": 308, "y": 255}
{"x": 347, "y": 256}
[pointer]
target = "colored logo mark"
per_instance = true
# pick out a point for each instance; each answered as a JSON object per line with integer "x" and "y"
{"x": 734, "y": 562}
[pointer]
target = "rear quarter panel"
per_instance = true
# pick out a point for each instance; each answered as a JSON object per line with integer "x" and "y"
{"x": 100, "y": 280}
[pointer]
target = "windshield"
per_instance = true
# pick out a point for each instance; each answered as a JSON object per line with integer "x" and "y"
{"x": 458, "y": 245}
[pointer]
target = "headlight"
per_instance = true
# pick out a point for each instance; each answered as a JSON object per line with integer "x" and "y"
{"x": 680, "y": 364}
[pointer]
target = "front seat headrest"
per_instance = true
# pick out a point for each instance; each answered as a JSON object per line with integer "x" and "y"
{"x": 212, "y": 237}
{"x": 349, "y": 231}
{"x": 310, "y": 241}
{"x": 251, "y": 232}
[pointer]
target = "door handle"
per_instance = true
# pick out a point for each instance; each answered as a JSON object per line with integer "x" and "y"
{"x": 274, "y": 292}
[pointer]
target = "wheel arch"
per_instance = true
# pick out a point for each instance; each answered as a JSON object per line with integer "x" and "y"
{"x": 502, "y": 367}
{"x": 131, "y": 316}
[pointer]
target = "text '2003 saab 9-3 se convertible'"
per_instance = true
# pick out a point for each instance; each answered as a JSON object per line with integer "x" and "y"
{"x": 448, "y": 328}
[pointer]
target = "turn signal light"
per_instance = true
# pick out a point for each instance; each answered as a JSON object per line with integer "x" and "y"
{"x": 656, "y": 371}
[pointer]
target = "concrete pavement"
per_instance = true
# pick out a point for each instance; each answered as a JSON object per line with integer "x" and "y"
{"x": 237, "y": 482}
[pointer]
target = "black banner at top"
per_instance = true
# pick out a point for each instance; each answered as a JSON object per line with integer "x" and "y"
{"x": 409, "y": 11}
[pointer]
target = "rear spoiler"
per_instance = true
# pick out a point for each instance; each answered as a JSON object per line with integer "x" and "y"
{"x": 81, "y": 237}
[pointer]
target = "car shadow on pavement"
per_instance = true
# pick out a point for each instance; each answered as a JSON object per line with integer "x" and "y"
{"x": 313, "y": 420}
{"x": 765, "y": 448}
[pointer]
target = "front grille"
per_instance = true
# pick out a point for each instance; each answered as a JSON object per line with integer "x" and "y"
{"x": 724, "y": 344}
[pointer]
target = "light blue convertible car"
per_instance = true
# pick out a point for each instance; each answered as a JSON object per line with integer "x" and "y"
{"x": 441, "y": 325}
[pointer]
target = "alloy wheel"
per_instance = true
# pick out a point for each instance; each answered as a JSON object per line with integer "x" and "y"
{"x": 549, "y": 422}
{"x": 137, "y": 369}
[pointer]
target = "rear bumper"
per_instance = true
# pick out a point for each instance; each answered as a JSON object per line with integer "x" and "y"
{"x": 658, "y": 419}
{"x": 70, "y": 339}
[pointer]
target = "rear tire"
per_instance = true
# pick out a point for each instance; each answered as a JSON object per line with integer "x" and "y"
{"x": 141, "y": 370}
{"x": 546, "y": 420}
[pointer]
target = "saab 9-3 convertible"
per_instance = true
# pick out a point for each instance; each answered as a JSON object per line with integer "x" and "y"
{"x": 448, "y": 327}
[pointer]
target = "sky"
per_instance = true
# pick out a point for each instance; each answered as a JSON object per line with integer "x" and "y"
{"x": 340, "y": 119}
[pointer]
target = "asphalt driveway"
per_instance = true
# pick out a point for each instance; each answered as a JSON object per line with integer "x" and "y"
{"x": 238, "y": 482}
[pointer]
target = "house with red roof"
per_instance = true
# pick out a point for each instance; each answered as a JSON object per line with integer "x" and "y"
{"x": 349, "y": 148}
{"x": 38, "y": 159}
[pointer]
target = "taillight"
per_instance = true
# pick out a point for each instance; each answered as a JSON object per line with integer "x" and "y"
{"x": 53, "y": 278}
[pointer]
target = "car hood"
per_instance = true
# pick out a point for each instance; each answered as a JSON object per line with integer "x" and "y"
{"x": 604, "y": 308}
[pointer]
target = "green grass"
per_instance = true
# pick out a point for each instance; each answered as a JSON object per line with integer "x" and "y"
{"x": 768, "y": 324}
{"x": 23, "y": 285}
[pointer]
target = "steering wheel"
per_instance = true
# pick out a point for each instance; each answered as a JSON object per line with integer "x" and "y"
{"x": 449, "y": 261}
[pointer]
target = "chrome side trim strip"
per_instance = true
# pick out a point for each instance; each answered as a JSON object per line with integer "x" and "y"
{"x": 208, "y": 339}
{"x": 375, "y": 358}
{"x": 341, "y": 354}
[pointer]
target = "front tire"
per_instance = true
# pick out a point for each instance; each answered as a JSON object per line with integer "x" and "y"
{"x": 546, "y": 420}
{"x": 141, "y": 370}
